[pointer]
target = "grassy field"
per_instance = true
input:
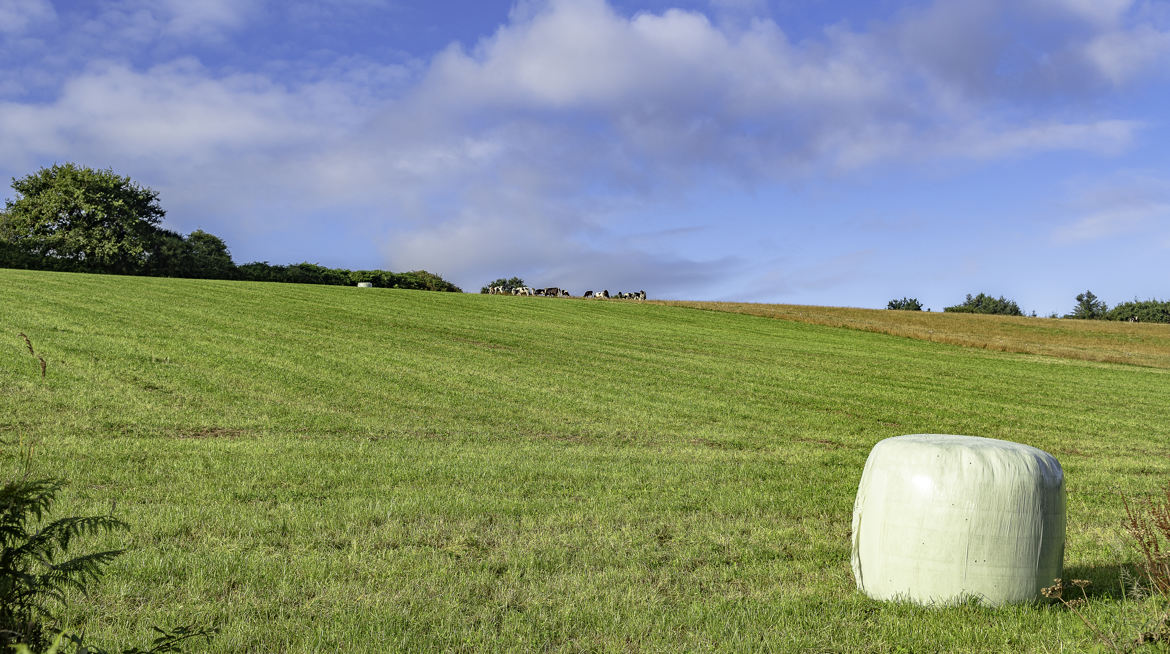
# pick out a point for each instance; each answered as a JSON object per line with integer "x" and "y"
{"x": 1088, "y": 340}
{"x": 370, "y": 470}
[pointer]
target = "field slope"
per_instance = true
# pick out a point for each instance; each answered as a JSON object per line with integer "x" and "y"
{"x": 1088, "y": 340}
{"x": 369, "y": 470}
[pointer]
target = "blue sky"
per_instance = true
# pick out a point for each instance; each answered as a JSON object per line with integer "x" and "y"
{"x": 812, "y": 152}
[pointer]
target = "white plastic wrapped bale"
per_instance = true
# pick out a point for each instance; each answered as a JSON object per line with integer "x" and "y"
{"x": 940, "y": 519}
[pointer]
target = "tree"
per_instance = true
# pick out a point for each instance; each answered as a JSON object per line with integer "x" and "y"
{"x": 210, "y": 255}
{"x": 983, "y": 303}
{"x": 425, "y": 281}
{"x": 508, "y": 284}
{"x": 1141, "y": 311}
{"x": 1088, "y": 307}
{"x": 170, "y": 256}
{"x": 200, "y": 255}
{"x": 83, "y": 219}
{"x": 905, "y": 304}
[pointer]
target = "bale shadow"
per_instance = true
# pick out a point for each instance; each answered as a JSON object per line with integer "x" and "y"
{"x": 1113, "y": 581}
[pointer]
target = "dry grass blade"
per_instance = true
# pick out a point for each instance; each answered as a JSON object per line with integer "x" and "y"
{"x": 1148, "y": 523}
{"x": 29, "y": 345}
{"x": 1089, "y": 340}
{"x": 1056, "y": 592}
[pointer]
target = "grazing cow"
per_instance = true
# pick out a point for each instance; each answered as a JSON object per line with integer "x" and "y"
{"x": 565, "y": 293}
{"x": 604, "y": 294}
{"x": 588, "y": 294}
{"x": 641, "y": 295}
{"x": 552, "y": 292}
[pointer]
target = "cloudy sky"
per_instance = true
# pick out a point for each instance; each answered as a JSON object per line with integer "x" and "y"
{"x": 798, "y": 151}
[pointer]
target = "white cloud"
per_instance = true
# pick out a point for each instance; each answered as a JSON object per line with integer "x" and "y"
{"x": 476, "y": 248}
{"x": 1106, "y": 137}
{"x": 743, "y": 6}
{"x": 1121, "y": 54}
{"x": 16, "y": 16}
{"x": 206, "y": 16}
{"x": 1114, "y": 222}
{"x": 1101, "y": 13}
{"x": 1124, "y": 204}
{"x": 182, "y": 18}
{"x": 173, "y": 111}
{"x": 493, "y": 159}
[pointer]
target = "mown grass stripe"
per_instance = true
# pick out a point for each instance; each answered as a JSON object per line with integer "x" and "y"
{"x": 328, "y": 468}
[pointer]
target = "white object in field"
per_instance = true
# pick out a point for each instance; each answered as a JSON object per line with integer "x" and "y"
{"x": 365, "y": 284}
{"x": 940, "y": 519}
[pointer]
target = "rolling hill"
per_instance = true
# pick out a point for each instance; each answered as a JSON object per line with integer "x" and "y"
{"x": 331, "y": 468}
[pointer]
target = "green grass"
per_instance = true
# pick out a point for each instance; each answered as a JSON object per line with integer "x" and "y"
{"x": 342, "y": 469}
{"x": 1143, "y": 344}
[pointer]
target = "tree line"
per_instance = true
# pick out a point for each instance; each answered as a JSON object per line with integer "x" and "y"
{"x": 1088, "y": 307}
{"x": 75, "y": 219}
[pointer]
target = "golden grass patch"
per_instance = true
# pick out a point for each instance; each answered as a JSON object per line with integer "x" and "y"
{"x": 1089, "y": 340}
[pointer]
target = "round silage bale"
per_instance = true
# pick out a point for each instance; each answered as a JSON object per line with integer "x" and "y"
{"x": 941, "y": 519}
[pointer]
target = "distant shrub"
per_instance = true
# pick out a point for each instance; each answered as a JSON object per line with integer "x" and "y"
{"x": 905, "y": 304}
{"x": 1141, "y": 311}
{"x": 311, "y": 273}
{"x": 424, "y": 281}
{"x": 983, "y": 303}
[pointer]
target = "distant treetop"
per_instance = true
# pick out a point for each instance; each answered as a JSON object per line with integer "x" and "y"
{"x": 905, "y": 304}
{"x": 983, "y": 303}
{"x": 75, "y": 219}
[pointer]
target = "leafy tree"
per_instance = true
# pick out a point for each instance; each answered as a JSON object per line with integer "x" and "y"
{"x": 424, "y": 281}
{"x": 905, "y": 304}
{"x": 1088, "y": 307}
{"x": 508, "y": 284}
{"x": 210, "y": 256}
{"x": 1141, "y": 311}
{"x": 200, "y": 255}
{"x": 983, "y": 303}
{"x": 311, "y": 273}
{"x": 169, "y": 256}
{"x": 83, "y": 219}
